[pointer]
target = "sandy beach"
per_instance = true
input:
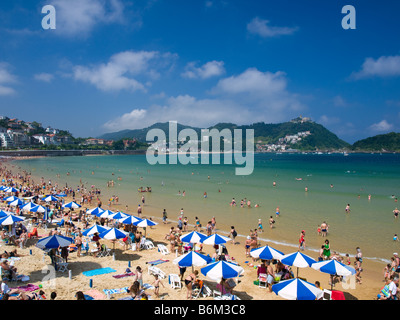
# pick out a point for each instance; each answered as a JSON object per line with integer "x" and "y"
{"x": 34, "y": 266}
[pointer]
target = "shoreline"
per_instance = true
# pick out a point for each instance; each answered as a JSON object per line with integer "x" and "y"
{"x": 371, "y": 276}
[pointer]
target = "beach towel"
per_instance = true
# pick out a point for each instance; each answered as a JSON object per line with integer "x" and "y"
{"x": 95, "y": 294}
{"x": 97, "y": 272}
{"x": 124, "y": 275}
{"x": 28, "y": 288}
{"x": 147, "y": 286}
{"x": 116, "y": 291}
{"x": 156, "y": 262}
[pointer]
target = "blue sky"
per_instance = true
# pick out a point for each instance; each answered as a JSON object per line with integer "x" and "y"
{"x": 122, "y": 64}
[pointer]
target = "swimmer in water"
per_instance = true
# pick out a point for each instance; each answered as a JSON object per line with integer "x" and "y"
{"x": 396, "y": 213}
{"x": 347, "y": 208}
{"x": 277, "y": 212}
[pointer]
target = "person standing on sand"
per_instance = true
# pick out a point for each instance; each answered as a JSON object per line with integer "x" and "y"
{"x": 327, "y": 250}
{"x": 247, "y": 246}
{"x": 233, "y": 234}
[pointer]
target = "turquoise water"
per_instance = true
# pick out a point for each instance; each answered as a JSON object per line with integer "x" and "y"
{"x": 370, "y": 224}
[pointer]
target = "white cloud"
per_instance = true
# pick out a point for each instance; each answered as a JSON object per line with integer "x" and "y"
{"x": 324, "y": 119}
{"x": 79, "y": 17}
{"x": 45, "y": 77}
{"x": 119, "y": 72}
{"x": 6, "y": 78}
{"x": 234, "y": 100}
{"x": 207, "y": 70}
{"x": 261, "y": 27}
{"x": 385, "y": 66}
{"x": 382, "y": 126}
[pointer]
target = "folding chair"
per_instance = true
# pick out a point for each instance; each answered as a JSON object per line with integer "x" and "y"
{"x": 196, "y": 293}
{"x": 175, "y": 281}
{"x": 163, "y": 249}
{"x": 262, "y": 280}
{"x": 62, "y": 265}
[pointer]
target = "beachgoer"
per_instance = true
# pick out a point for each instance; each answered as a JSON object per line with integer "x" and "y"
{"x": 156, "y": 285}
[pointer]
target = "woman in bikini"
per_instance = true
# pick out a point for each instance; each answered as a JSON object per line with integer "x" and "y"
{"x": 189, "y": 283}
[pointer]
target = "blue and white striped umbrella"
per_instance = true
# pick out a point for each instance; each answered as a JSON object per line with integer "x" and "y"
{"x": 50, "y": 198}
{"x": 16, "y": 202}
{"x": 192, "y": 259}
{"x": 10, "y": 199}
{"x": 130, "y": 220}
{"x": 4, "y": 214}
{"x": 297, "y": 259}
{"x": 28, "y": 206}
{"x": 332, "y": 267}
{"x": 94, "y": 229}
{"x": 71, "y": 204}
{"x": 2, "y": 188}
{"x": 112, "y": 234}
{"x": 119, "y": 215}
{"x": 10, "y": 219}
{"x": 38, "y": 208}
{"x": 95, "y": 211}
{"x": 297, "y": 289}
{"x": 145, "y": 223}
{"x": 221, "y": 269}
{"x": 10, "y": 189}
{"x": 193, "y": 237}
{"x": 54, "y": 242}
{"x": 216, "y": 239}
{"x": 266, "y": 253}
{"x": 105, "y": 214}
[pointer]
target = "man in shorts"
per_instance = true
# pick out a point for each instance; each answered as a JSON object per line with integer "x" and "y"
{"x": 270, "y": 275}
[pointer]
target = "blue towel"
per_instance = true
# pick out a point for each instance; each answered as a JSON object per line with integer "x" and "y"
{"x": 97, "y": 272}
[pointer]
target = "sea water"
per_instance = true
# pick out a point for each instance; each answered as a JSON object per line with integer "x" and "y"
{"x": 332, "y": 180}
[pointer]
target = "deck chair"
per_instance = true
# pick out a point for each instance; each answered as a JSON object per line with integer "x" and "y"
{"x": 62, "y": 266}
{"x": 163, "y": 249}
{"x": 206, "y": 292}
{"x": 158, "y": 271}
{"x": 148, "y": 245}
{"x": 175, "y": 281}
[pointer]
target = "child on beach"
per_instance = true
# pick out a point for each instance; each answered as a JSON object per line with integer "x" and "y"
{"x": 139, "y": 276}
{"x": 260, "y": 226}
{"x": 156, "y": 285}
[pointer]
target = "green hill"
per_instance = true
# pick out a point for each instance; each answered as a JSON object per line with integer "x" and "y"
{"x": 319, "y": 139}
{"x": 383, "y": 142}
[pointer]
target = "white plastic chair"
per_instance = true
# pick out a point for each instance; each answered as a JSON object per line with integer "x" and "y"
{"x": 175, "y": 281}
{"x": 206, "y": 291}
{"x": 155, "y": 270}
{"x": 327, "y": 295}
{"x": 148, "y": 245}
{"x": 163, "y": 249}
{"x": 262, "y": 280}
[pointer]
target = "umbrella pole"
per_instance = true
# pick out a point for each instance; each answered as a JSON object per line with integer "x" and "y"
{"x": 297, "y": 272}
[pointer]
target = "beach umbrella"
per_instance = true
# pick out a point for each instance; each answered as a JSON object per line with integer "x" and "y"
{"x": 105, "y": 214}
{"x": 71, "y": 205}
{"x": 95, "y": 211}
{"x": 297, "y": 259}
{"x": 192, "y": 259}
{"x": 216, "y": 239}
{"x": 2, "y": 188}
{"x": 333, "y": 267}
{"x": 54, "y": 242}
{"x": 144, "y": 224}
{"x": 119, "y": 215}
{"x": 193, "y": 237}
{"x": 113, "y": 234}
{"x": 16, "y": 202}
{"x": 28, "y": 206}
{"x": 10, "y": 219}
{"x": 222, "y": 269}
{"x": 50, "y": 198}
{"x": 266, "y": 253}
{"x": 10, "y": 199}
{"x": 38, "y": 208}
{"x": 10, "y": 189}
{"x": 94, "y": 229}
{"x": 4, "y": 214}
{"x": 130, "y": 220}
{"x": 297, "y": 289}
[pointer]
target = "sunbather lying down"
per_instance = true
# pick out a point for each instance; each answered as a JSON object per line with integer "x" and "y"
{"x": 25, "y": 296}
{"x": 11, "y": 254}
